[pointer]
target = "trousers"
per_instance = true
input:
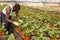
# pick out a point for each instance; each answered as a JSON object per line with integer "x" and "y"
{"x": 7, "y": 25}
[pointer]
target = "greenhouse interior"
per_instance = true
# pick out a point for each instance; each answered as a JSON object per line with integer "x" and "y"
{"x": 29, "y": 19}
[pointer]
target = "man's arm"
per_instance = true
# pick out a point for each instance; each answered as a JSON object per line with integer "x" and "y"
{"x": 8, "y": 10}
{"x": 17, "y": 16}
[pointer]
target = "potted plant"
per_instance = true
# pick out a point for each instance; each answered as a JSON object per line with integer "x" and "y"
{"x": 51, "y": 21}
{"x": 52, "y": 38}
{"x": 58, "y": 34}
{"x": 52, "y": 34}
{"x": 2, "y": 30}
{"x": 11, "y": 37}
{"x": 58, "y": 37}
{"x": 40, "y": 36}
{"x": 19, "y": 29}
{"x": 57, "y": 24}
{"x": 34, "y": 33}
{"x": 51, "y": 25}
{"x": 45, "y": 33}
{"x": 45, "y": 21}
{"x": 28, "y": 34}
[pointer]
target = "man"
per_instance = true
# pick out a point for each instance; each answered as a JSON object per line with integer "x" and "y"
{"x": 6, "y": 17}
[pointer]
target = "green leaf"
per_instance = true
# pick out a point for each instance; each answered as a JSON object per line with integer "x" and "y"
{"x": 11, "y": 37}
{"x": 58, "y": 22}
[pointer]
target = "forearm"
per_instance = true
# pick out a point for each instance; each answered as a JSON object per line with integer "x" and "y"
{"x": 17, "y": 16}
{"x": 8, "y": 20}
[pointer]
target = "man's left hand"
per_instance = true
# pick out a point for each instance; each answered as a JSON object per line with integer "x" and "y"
{"x": 21, "y": 21}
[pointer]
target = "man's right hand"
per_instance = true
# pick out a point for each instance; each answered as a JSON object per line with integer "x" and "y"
{"x": 16, "y": 23}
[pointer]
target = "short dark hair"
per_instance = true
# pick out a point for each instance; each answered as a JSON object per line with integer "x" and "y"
{"x": 16, "y": 7}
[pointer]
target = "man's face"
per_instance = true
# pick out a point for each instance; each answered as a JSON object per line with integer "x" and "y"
{"x": 15, "y": 9}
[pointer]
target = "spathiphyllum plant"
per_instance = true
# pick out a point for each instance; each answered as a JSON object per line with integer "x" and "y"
{"x": 2, "y": 28}
{"x": 51, "y": 33}
{"x": 44, "y": 21}
{"x": 40, "y": 23}
{"x": 28, "y": 32}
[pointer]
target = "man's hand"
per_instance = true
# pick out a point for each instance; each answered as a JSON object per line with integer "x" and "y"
{"x": 21, "y": 21}
{"x": 16, "y": 23}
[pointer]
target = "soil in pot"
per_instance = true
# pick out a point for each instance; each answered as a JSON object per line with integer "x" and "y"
{"x": 19, "y": 29}
{"x": 23, "y": 33}
{"x": 2, "y": 34}
{"x": 52, "y": 38}
{"x": 27, "y": 37}
{"x": 51, "y": 25}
